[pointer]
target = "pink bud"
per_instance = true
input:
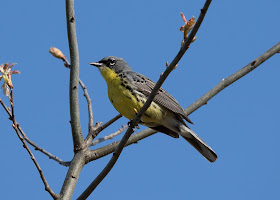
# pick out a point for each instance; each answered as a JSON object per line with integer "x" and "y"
{"x": 57, "y": 53}
{"x": 183, "y": 17}
{"x": 15, "y": 72}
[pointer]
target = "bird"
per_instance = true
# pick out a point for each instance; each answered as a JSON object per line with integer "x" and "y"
{"x": 128, "y": 92}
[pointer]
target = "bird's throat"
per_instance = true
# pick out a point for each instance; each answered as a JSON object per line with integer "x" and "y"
{"x": 108, "y": 74}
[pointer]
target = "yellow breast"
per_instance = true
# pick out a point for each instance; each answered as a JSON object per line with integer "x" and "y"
{"x": 128, "y": 102}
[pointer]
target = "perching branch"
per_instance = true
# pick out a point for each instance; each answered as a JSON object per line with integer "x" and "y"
{"x": 98, "y": 128}
{"x": 103, "y": 151}
{"x": 110, "y": 148}
{"x": 136, "y": 120}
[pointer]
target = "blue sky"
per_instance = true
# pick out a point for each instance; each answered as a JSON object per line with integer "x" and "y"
{"x": 240, "y": 123}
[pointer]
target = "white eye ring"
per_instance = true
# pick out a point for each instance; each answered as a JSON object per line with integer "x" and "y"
{"x": 112, "y": 62}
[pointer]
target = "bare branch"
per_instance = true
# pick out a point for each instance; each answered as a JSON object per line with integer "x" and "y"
{"x": 231, "y": 79}
{"x": 6, "y": 108}
{"x": 74, "y": 77}
{"x": 111, "y": 121}
{"x": 103, "y": 151}
{"x": 136, "y": 120}
{"x": 110, "y": 148}
{"x": 16, "y": 128}
{"x": 98, "y": 128}
{"x": 111, "y": 136}
{"x": 78, "y": 161}
{"x": 90, "y": 113}
{"x": 86, "y": 95}
{"x": 55, "y": 158}
{"x": 72, "y": 176}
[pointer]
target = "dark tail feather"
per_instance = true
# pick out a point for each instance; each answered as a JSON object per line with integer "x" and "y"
{"x": 199, "y": 145}
{"x": 166, "y": 131}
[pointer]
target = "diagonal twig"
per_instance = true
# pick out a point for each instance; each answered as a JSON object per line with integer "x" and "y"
{"x": 111, "y": 121}
{"x": 37, "y": 148}
{"x": 108, "y": 137}
{"x": 98, "y": 128}
{"x": 136, "y": 120}
{"x": 15, "y": 126}
{"x": 234, "y": 77}
{"x": 55, "y": 158}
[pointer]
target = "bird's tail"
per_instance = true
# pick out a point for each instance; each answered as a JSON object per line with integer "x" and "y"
{"x": 198, "y": 144}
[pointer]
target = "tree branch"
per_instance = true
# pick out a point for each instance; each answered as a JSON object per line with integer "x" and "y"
{"x": 74, "y": 77}
{"x": 136, "y": 120}
{"x": 55, "y": 158}
{"x": 90, "y": 113}
{"x": 103, "y": 151}
{"x": 231, "y": 79}
{"x": 37, "y": 148}
{"x": 78, "y": 161}
{"x": 108, "y": 137}
{"x": 110, "y": 148}
{"x": 86, "y": 95}
{"x": 72, "y": 176}
{"x": 15, "y": 126}
{"x": 97, "y": 129}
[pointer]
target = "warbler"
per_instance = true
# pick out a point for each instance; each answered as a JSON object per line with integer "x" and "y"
{"x": 129, "y": 90}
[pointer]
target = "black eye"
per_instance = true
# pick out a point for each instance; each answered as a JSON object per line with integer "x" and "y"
{"x": 112, "y": 62}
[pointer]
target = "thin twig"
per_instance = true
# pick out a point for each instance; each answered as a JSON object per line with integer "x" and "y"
{"x": 6, "y": 108}
{"x": 86, "y": 95}
{"x": 16, "y": 128}
{"x": 111, "y": 121}
{"x": 55, "y": 158}
{"x": 136, "y": 120}
{"x": 108, "y": 137}
{"x": 90, "y": 113}
{"x": 110, "y": 148}
{"x": 98, "y": 128}
{"x": 103, "y": 151}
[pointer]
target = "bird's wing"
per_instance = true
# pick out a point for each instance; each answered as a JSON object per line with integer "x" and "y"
{"x": 163, "y": 98}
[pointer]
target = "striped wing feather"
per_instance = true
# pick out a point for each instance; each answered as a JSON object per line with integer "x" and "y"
{"x": 163, "y": 98}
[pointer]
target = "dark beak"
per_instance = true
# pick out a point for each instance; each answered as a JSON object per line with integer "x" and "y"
{"x": 96, "y": 64}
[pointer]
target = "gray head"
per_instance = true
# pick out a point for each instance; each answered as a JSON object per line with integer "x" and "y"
{"x": 114, "y": 63}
